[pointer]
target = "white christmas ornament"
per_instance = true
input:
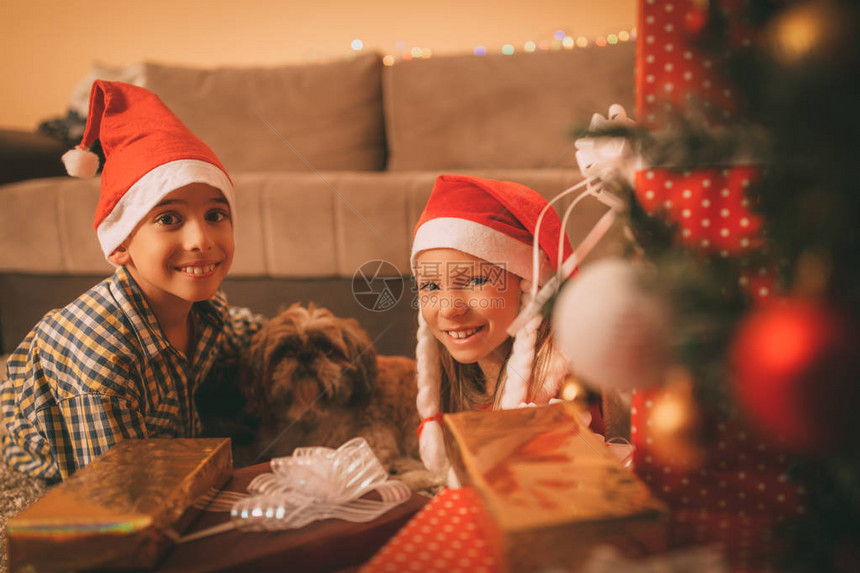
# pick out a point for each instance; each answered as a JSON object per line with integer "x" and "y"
{"x": 613, "y": 332}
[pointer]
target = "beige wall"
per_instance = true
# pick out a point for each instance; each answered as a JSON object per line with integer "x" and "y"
{"x": 47, "y": 46}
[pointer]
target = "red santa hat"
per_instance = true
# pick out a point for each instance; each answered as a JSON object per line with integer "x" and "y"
{"x": 148, "y": 153}
{"x": 494, "y": 221}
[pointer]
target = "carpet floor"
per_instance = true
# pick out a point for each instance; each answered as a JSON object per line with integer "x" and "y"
{"x": 17, "y": 491}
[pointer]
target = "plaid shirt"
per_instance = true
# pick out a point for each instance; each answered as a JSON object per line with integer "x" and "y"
{"x": 100, "y": 370}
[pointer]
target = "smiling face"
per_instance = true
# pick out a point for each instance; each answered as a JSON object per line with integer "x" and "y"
{"x": 182, "y": 249}
{"x": 468, "y": 304}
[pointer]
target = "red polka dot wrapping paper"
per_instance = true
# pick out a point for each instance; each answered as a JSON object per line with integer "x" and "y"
{"x": 448, "y": 535}
{"x": 710, "y": 206}
{"x": 671, "y": 74}
{"x": 714, "y": 216}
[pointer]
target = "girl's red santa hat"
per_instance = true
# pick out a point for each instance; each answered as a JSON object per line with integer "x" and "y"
{"x": 495, "y": 221}
{"x": 148, "y": 153}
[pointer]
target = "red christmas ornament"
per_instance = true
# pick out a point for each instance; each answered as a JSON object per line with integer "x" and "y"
{"x": 795, "y": 374}
{"x": 695, "y": 21}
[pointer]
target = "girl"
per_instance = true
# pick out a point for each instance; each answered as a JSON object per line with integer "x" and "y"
{"x": 471, "y": 250}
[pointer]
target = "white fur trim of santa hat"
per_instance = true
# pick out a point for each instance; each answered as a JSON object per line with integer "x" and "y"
{"x": 480, "y": 241}
{"x": 147, "y": 191}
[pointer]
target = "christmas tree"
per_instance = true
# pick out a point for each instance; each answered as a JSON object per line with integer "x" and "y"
{"x": 736, "y": 314}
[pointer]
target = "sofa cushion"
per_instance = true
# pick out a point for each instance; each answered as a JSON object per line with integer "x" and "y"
{"x": 518, "y": 111}
{"x": 286, "y": 118}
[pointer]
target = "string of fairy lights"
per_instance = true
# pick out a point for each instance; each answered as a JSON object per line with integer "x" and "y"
{"x": 561, "y": 40}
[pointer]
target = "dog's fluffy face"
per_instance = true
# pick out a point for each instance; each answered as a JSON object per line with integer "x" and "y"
{"x": 307, "y": 360}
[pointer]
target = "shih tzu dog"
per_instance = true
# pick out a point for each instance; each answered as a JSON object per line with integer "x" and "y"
{"x": 313, "y": 379}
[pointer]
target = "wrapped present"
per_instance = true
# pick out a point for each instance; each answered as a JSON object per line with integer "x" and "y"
{"x": 123, "y": 510}
{"x": 551, "y": 488}
{"x": 448, "y": 535}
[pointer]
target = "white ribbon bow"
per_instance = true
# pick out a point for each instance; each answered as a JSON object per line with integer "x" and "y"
{"x": 312, "y": 484}
{"x": 606, "y": 157}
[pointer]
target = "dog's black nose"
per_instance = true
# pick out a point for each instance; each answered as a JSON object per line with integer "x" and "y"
{"x": 306, "y": 357}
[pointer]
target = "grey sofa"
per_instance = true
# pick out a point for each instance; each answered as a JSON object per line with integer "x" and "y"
{"x": 332, "y": 164}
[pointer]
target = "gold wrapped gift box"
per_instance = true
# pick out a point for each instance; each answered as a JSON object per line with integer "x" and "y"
{"x": 121, "y": 511}
{"x": 551, "y": 488}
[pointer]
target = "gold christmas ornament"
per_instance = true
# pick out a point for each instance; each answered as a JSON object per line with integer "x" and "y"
{"x": 811, "y": 32}
{"x": 676, "y": 423}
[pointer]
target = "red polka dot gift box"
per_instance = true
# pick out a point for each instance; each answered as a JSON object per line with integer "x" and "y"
{"x": 672, "y": 76}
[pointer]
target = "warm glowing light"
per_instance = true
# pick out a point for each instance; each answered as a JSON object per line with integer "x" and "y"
{"x": 669, "y": 415}
{"x": 571, "y": 391}
{"x": 798, "y": 33}
{"x": 388, "y": 60}
{"x": 560, "y": 41}
{"x": 357, "y": 44}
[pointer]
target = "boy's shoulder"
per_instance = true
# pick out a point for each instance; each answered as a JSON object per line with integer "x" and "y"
{"x": 92, "y": 312}
{"x": 95, "y": 322}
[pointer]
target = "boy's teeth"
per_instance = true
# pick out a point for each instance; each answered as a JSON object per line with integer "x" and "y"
{"x": 462, "y": 333}
{"x": 198, "y": 270}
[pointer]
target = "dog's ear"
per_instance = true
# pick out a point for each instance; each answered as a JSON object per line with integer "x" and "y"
{"x": 276, "y": 340}
{"x": 362, "y": 356}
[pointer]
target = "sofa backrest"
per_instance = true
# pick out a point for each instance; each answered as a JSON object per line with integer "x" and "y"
{"x": 517, "y": 111}
{"x": 325, "y": 116}
{"x": 442, "y": 113}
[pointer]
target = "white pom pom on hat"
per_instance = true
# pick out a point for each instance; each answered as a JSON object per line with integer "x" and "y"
{"x": 81, "y": 163}
{"x": 494, "y": 221}
{"x": 148, "y": 153}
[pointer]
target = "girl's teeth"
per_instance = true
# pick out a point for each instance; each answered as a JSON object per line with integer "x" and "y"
{"x": 462, "y": 333}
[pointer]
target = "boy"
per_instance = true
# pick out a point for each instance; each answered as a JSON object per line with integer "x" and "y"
{"x": 125, "y": 358}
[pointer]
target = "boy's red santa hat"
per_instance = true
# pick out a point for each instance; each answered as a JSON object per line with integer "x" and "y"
{"x": 148, "y": 153}
{"x": 494, "y": 221}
